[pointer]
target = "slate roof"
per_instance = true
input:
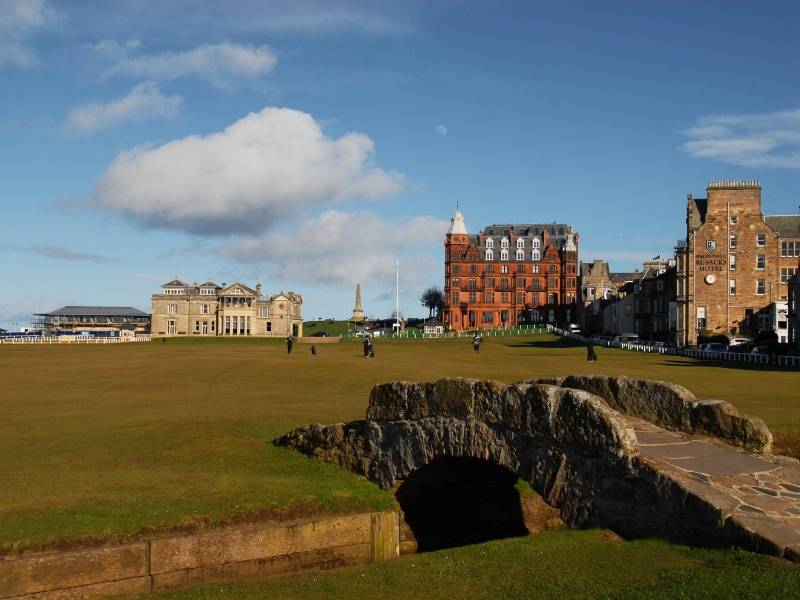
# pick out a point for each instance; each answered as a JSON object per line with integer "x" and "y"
{"x": 696, "y": 209}
{"x": 175, "y": 283}
{"x": 95, "y": 311}
{"x": 787, "y": 226}
{"x": 624, "y": 277}
{"x": 434, "y": 322}
{"x": 525, "y": 230}
{"x": 598, "y": 268}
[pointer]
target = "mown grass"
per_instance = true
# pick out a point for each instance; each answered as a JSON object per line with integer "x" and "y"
{"x": 556, "y": 564}
{"x": 108, "y": 442}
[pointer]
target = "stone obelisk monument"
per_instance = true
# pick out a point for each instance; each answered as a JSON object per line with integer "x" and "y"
{"x": 358, "y": 311}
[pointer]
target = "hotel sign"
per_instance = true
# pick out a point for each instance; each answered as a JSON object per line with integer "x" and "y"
{"x": 711, "y": 262}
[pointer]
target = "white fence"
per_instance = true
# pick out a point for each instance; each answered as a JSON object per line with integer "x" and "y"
{"x": 73, "y": 339}
{"x": 741, "y": 357}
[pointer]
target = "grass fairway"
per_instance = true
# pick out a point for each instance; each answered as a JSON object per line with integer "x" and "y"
{"x": 112, "y": 441}
{"x": 564, "y": 564}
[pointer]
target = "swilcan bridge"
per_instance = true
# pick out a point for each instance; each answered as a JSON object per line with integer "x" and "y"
{"x": 642, "y": 458}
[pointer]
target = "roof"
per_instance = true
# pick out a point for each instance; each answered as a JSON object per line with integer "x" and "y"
{"x": 625, "y": 277}
{"x": 95, "y": 311}
{"x": 696, "y": 211}
{"x": 434, "y": 322}
{"x": 209, "y": 283}
{"x": 527, "y": 229}
{"x": 786, "y": 225}
{"x": 457, "y": 224}
{"x": 597, "y": 268}
{"x": 175, "y": 283}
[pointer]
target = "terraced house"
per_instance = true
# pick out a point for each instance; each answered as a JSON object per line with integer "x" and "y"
{"x": 509, "y": 274}
{"x": 210, "y": 309}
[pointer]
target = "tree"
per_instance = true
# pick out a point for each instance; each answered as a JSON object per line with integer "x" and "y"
{"x": 433, "y": 300}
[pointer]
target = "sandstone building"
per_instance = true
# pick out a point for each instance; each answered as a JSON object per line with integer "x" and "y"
{"x": 509, "y": 274}
{"x": 734, "y": 264}
{"x": 210, "y": 309}
{"x": 98, "y": 320}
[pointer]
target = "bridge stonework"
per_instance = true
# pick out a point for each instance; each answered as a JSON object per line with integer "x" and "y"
{"x": 599, "y": 466}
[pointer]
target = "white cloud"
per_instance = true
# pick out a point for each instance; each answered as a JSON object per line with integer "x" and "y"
{"x": 750, "y": 140}
{"x": 221, "y": 64}
{"x": 20, "y": 20}
{"x": 144, "y": 102}
{"x": 441, "y": 130}
{"x": 266, "y": 166}
{"x": 339, "y": 248}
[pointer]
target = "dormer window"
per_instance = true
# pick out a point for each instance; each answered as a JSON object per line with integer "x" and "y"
{"x": 536, "y": 254}
{"x": 520, "y": 243}
{"x": 520, "y": 254}
{"x": 237, "y": 290}
{"x": 489, "y": 243}
{"x": 490, "y": 254}
{"x": 504, "y": 252}
{"x": 537, "y": 243}
{"x": 504, "y": 243}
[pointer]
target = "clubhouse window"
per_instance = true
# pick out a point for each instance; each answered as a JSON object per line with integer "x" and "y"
{"x": 761, "y": 240}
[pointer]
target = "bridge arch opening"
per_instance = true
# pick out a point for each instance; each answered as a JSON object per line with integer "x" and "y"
{"x": 459, "y": 501}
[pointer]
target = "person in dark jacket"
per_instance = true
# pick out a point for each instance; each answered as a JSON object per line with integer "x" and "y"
{"x": 367, "y": 346}
{"x": 289, "y": 342}
{"x": 476, "y": 342}
{"x": 591, "y": 355}
{"x": 313, "y": 350}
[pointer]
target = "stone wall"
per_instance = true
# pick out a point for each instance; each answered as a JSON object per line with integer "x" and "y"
{"x": 673, "y": 407}
{"x": 252, "y": 551}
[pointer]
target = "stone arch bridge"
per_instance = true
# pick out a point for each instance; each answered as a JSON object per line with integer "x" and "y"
{"x": 643, "y": 458}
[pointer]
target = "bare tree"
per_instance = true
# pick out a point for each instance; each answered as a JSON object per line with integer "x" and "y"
{"x": 433, "y": 300}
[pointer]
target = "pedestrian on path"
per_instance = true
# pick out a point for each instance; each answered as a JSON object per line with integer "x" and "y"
{"x": 289, "y": 342}
{"x": 591, "y": 355}
{"x": 366, "y": 346}
{"x": 476, "y": 342}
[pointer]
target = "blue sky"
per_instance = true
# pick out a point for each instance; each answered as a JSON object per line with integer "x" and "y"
{"x": 308, "y": 145}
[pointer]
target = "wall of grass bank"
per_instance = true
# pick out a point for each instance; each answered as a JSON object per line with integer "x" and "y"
{"x": 253, "y": 551}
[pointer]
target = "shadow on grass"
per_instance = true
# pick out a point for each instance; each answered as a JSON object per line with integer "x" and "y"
{"x": 724, "y": 364}
{"x": 549, "y": 343}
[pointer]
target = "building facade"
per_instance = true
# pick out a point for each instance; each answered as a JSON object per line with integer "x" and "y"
{"x": 509, "y": 274}
{"x": 210, "y": 309}
{"x": 729, "y": 266}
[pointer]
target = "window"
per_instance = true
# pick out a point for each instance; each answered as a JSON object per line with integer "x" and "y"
{"x": 701, "y": 317}
{"x": 264, "y": 312}
{"x": 489, "y": 255}
{"x": 473, "y": 269}
{"x": 552, "y": 282}
{"x": 170, "y": 326}
{"x": 504, "y": 242}
{"x": 536, "y": 242}
{"x": 520, "y": 269}
{"x": 733, "y": 241}
{"x": 205, "y": 327}
{"x": 456, "y": 268}
{"x": 551, "y": 268}
{"x": 197, "y": 326}
{"x": 787, "y": 273}
{"x": 520, "y": 297}
{"x": 552, "y": 298}
{"x": 473, "y": 297}
{"x": 761, "y": 240}
{"x": 536, "y": 255}
{"x": 472, "y": 283}
{"x": 761, "y": 287}
{"x": 535, "y": 268}
{"x": 269, "y": 326}
{"x": 237, "y": 290}
{"x": 535, "y": 283}
{"x": 456, "y": 282}
{"x": 205, "y": 309}
{"x": 732, "y": 285}
{"x": 520, "y": 282}
{"x": 521, "y": 243}
{"x": 227, "y": 325}
{"x": 761, "y": 261}
{"x": 489, "y": 243}
{"x": 732, "y": 262}
{"x": 504, "y": 283}
{"x": 454, "y": 297}
{"x": 488, "y": 297}
{"x": 504, "y": 297}
{"x": 487, "y": 316}
{"x": 660, "y": 285}
{"x": 504, "y": 268}
{"x": 560, "y": 231}
{"x": 503, "y": 254}
{"x": 172, "y": 309}
{"x": 733, "y": 219}
{"x": 489, "y": 282}
{"x": 520, "y": 254}
{"x": 790, "y": 249}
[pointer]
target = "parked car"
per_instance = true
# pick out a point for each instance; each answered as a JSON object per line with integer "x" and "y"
{"x": 739, "y": 341}
{"x": 713, "y": 347}
{"x": 760, "y": 350}
{"x": 320, "y": 334}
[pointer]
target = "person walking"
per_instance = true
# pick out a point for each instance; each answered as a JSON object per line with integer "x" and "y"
{"x": 366, "y": 346}
{"x": 371, "y": 349}
{"x": 591, "y": 355}
{"x": 313, "y": 350}
{"x": 476, "y": 342}
{"x": 289, "y": 342}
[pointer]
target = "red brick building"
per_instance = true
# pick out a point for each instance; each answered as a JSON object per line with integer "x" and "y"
{"x": 509, "y": 274}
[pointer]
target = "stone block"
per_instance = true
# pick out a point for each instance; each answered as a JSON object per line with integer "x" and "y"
{"x": 385, "y": 536}
{"x": 134, "y": 585}
{"x": 263, "y": 568}
{"x": 451, "y": 397}
{"x": 55, "y": 570}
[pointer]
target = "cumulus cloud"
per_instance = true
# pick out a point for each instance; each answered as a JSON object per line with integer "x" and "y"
{"x": 341, "y": 248}
{"x": 56, "y": 252}
{"x": 749, "y": 140}
{"x": 268, "y": 165}
{"x": 223, "y": 65}
{"x": 144, "y": 102}
{"x": 441, "y": 130}
{"x": 20, "y": 20}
